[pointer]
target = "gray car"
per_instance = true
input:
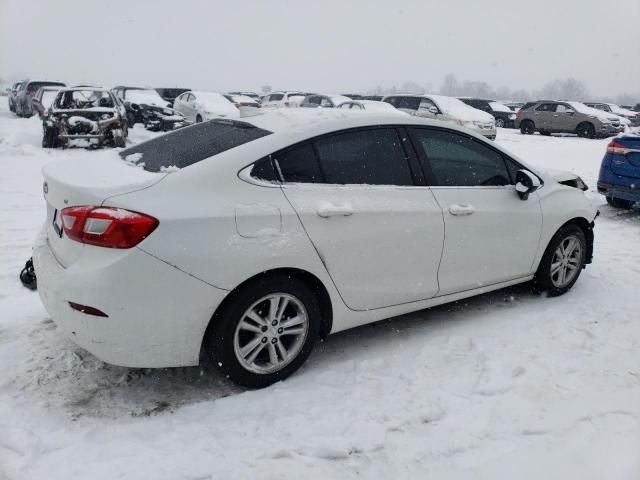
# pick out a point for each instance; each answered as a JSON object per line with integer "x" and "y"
{"x": 549, "y": 117}
{"x": 26, "y": 93}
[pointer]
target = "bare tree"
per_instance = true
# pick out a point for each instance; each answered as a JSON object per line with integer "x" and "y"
{"x": 449, "y": 85}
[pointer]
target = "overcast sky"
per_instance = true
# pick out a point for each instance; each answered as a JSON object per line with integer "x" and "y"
{"x": 330, "y": 46}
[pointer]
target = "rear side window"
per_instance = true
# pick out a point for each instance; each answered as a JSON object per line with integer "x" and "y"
{"x": 527, "y": 105}
{"x": 299, "y": 164}
{"x": 276, "y": 96}
{"x": 460, "y": 161}
{"x": 546, "y": 107}
{"x": 371, "y": 157}
{"x": 193, "y": 144}
{"x": 35, "y": 86}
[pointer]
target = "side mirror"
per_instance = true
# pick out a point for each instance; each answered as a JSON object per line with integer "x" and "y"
{"x": 433, "y": 110}
{"x": 526, "y": 183}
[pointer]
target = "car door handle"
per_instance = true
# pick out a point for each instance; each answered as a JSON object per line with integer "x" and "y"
{"x": 461, "y": 210}
{"x": 327, "y": 210}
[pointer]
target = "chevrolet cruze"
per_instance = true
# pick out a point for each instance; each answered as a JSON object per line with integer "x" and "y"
{"x": 248, "y": 241}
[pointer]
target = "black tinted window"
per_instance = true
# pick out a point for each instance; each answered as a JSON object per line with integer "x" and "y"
{"x": 263, "y": 170}
{"x": 373, "y": 157}
{"x": 299, "y": 164}
{"x": 410, "y": 103}
{"x": 193, "y": 144}
{"x": 276, "y": 96}
{"x": 460, "y": 161}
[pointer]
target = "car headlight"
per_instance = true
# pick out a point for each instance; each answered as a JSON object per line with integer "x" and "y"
{"x": 104, "y": 116}
{"x": 604, "y": 120}
{"x": 166, "y": 111}
{"x": 512, "y": 116}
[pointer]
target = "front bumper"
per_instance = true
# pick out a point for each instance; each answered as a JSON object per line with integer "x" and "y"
{"x": 157, "y": 314}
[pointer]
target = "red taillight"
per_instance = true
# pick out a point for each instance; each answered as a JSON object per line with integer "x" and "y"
{"x": 238, "y": 104}
{"x": 616, "y": 148}
{"x": 286, "y": 104}
{"x": 107, "y": 226}
{"x": 88, "y": 310}
{"x": 518, "y": 113}
{"x": 30, "y": 94}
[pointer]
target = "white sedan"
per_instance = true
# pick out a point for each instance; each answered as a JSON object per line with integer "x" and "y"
{"x": 249, "y": 241}
{"x": 201, "y": 106}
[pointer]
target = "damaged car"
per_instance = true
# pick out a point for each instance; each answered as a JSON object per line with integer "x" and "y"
{"x": 91, "y": 115}
{"x": 146, "y": 106}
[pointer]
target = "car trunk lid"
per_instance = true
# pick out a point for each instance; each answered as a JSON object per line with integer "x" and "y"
{"x": 86, "y": 181}
{"x": 626, "y": 163}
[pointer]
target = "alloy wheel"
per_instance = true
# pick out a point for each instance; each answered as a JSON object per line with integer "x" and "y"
{"x": 271, "y": 333}
{"x": 566, "y": 261}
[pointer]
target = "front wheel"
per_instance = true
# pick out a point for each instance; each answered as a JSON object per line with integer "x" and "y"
{"x": 50, "y": 138}
{"x": 563, "y": 260}
{"x": 499, "y": 122}
{"x": 198, "y": 119}
{"x": 265, "y": 332}
{"x": 586, "y": 130}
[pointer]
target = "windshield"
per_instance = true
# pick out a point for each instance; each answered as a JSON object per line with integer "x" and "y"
{"x": 83, "y": 99}
{"x": 144, "y": 96}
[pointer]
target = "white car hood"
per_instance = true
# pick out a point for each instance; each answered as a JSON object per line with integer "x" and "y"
{"x": 560, "y": 175}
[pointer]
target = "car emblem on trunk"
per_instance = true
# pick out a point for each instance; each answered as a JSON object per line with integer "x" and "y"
{"x": 45, "y": 188}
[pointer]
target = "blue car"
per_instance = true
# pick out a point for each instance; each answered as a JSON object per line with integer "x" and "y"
{"x": 619, "y": 178}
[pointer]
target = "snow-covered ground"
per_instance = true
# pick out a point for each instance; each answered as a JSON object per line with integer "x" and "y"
{"x": 506, "y": 385}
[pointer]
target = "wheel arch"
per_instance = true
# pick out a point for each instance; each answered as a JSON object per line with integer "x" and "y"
{"x": 313, "y": 282}
{"x": 587, "y": 228}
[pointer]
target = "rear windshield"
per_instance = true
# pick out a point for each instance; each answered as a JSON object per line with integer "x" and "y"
{"x": 191, "y": 145}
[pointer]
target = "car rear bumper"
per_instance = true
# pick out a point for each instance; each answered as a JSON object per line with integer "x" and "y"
{"x": 157, "y": 314}
{"x": 619, "y": 191}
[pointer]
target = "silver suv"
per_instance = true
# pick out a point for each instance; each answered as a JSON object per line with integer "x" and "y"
{"x": 549, "y": 117}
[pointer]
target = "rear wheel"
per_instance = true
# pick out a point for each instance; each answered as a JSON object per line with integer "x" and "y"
{"x": 619, "y": 203}
{"x": 586, "y": 130}
{"x": 265, "y": 332}
{"x": 527, "y": 127}
{"x": 198, "y": 119}
{"x": 563, "y": 260}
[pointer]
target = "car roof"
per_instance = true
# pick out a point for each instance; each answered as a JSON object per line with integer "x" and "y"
{"x": 84, "y": 87}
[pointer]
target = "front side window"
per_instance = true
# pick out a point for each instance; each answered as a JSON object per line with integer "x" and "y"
{"x": 460, "y": 161}
{"x": 276, "y": 97}
{"x": 408, "y": 103}
{"x": 426, "y": 105}
{"x": 560, "y": 108}
{"x": 364, "y": 157}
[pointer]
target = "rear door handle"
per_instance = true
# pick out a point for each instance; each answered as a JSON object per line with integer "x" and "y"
{"x": 461, "y": 210}
{"x": 327, "y": 210}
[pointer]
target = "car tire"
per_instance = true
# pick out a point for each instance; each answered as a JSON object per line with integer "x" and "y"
{"x": 499, "y": 123}
{"x": 131, "y": 120}
{"x": 563, "y": 260}
{"x": 527, "y": 127}
{"x": 50, "y": 138}
{"x": 586, "y": 130}
{"x": 118, "y": 138}
{"x": 233, "y": 332}
{"x": 619, "y": 203}
{"x": 198, "y": 119}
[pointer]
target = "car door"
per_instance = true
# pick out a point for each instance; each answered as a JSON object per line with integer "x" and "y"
{"x": 563, "y": 119}
{"x": 178, "y": 104}
{"x": 491, "y": 235}
{"x": 378, "y": 234}
{"x": 542, "y": 116}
